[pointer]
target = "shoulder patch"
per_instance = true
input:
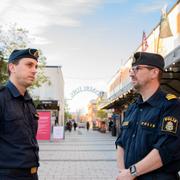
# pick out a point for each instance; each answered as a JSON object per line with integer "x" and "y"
{"x": 170, "y": 96}
{"x": 170, "y": 124}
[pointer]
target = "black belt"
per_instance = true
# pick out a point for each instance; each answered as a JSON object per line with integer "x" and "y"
{"x": 23, "y": 171}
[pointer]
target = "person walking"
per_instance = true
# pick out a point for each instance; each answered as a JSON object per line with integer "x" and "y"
{"x": 75, "y": 125}
{"x": 148, "y": 147}
{"x": 110, "y": 124}
{"x": 87, "y": 125}
{"x": 19, "y": 159}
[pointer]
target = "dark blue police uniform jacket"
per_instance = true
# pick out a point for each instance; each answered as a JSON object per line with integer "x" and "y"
{"x": 154, "y": 123}
{"x": 18, "y": 128}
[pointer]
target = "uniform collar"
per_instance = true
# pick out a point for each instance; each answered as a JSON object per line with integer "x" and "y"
{"x": 14, "y": 91}
{"x": 154, "y": 100}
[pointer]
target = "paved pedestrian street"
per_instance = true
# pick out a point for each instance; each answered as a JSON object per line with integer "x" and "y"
{"x": 82, "y": 155}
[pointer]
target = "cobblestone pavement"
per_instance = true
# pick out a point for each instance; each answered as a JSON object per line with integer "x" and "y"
{"x": 83, "y": 155}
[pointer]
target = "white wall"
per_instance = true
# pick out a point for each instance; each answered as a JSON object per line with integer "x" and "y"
{"x": 54, "y": 91}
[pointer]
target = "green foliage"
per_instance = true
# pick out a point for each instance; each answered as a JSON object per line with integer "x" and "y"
{"x": 67, "y": 114}
{"x": 3, "y": 70}
{"x": 40, "y": 77}
{"x": 101, "y": 114}
{"x": 12, "y": 38}
{"x": 36, "y": 101}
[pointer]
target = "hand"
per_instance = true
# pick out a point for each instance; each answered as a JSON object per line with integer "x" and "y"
{"x": 124, "y": 174}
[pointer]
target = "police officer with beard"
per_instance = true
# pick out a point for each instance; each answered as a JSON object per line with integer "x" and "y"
{"x": 148, "y": 147}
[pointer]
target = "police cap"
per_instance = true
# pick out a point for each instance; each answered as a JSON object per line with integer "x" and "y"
{"x": 23, "y": 53}
{"x": 150, "y": 59}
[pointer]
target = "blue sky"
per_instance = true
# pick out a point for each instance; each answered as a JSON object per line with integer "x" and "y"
{"x": 90, "y": 39}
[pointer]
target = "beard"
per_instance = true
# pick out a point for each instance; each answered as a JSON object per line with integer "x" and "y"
{"x": 140, "y": 86}
{"x": 137, "y": 87}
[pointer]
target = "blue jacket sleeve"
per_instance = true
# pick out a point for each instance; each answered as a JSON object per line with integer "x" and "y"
{"x": 168, "y": 142}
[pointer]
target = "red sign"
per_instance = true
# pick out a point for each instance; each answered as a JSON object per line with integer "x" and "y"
{"x": 44, "y": 125}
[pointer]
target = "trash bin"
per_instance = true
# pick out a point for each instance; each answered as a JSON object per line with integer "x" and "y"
{"x": 113, "y": 130}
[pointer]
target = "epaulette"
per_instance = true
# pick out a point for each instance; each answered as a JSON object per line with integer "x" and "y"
{"x": 170, "y": 96}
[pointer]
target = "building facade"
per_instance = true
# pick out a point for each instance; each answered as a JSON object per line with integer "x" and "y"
{"x": 167, "y": 43}
{"x": 51, "y": 95}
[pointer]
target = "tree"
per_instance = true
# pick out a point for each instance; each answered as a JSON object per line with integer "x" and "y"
{"x": 41, "y": 78}
{"x": 101, "y": 114}
{"x": 3, "y": 69}
{"x": 67, "y": 114}
{"x": 12, "y": 38}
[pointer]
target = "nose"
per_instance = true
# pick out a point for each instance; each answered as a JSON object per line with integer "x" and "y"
{"x": 131, "y": 72}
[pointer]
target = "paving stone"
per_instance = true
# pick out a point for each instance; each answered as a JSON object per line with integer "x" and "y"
{"x": 81, "y": 155}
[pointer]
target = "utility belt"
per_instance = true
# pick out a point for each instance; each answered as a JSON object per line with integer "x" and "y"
{"x": 19, "y": 171}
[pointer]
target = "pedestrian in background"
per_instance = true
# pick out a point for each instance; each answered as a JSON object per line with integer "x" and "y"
{"x": 110, "y": 124}
{"x": 19, "y": 159}
{"x": 148, "y": 147}
{"x": 87, "y": 125}
{"x": 69, "y": 125}
{"x": 75, "y": 125}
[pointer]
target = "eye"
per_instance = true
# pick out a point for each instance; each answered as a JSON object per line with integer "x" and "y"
{"x": 29, "y": 64}
{"x": 137, "y": 68}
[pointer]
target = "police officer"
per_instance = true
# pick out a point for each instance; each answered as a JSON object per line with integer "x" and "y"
{"x": 148, "y": 147}
{"x": 19, "y": 159}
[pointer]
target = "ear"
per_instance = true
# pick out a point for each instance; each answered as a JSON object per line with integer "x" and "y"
{"x": 155, "y": 73}
{"x": 11, "y": 67}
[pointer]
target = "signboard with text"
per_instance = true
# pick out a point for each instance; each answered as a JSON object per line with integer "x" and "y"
{"x": 58, "y": 132}
{"x": 44, "y": 125}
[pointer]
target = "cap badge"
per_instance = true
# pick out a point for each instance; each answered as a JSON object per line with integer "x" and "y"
{"x": 35, "y": 54}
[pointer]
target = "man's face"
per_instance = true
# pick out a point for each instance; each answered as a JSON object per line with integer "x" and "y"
{"x": 140, "y": 75}
{"x": 24, "y": 72}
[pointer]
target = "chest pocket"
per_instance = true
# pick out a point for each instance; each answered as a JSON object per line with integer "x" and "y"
{"x": 34, "y": 117}
{"x": 125, "y": 130}
{"x": 148, "y": 133}
{"x": 12, "y": 121}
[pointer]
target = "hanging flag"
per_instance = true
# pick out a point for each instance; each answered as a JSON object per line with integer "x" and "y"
{"x": 144, "y": 42}
{"x": 165, "y": 30}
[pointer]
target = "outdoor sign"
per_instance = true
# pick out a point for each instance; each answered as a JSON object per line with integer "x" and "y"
{"x": 58, "y": 132}
{"x": 44, "y": 125}
{"x": 85, "y": 88}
